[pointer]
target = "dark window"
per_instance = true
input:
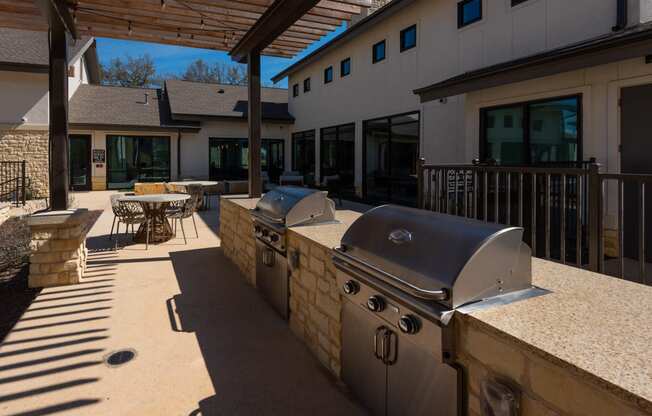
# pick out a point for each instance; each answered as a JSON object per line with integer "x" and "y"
{"x": 132, "y": 159}
{"x": 337, "y": 156}
{"x": 378, "y": 52}
{"x": 468, "y": 11}
{"x": 328, "y": 75}
{"x": 303, "y": 155}
{"x": 391, "y": 152}
{"x": 345, "y": 67}
{"x": 228, "y": 159}
{"x": 533, "y": 132}
{"x": 517, "y": 2}
{"x": 295, "y": 90}
{"x": 306, "y": 85}
{"x": 408, "y": 38}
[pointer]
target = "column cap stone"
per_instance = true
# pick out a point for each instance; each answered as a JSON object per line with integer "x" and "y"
{"x": 56, "y": 218}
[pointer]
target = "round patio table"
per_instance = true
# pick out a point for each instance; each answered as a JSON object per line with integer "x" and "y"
{"x": 202, "y": 184}
{"x": 154, "y": 207}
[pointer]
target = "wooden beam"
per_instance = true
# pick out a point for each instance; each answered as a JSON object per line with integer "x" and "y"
{"x": 58, "y": 102}
{"x": 278, "y": 18}
{"x": 254, "y": 118}
{"x": 58, "y": 9}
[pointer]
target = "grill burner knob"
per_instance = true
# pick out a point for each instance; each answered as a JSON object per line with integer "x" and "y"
{"x": 408, "y": 324}
{"x": 257, "y": 229}
{"x": 351, "y": 287}
{"x": 265, "y": 233}
{"x": 274, "y": 238}
{"x": 376, "y": 304}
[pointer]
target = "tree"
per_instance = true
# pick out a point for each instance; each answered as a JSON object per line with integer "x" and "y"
{"x": 219, "y": 72}
{"x": 135, "y": 72}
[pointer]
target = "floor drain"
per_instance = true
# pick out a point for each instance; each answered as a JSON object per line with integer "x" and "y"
{"x": 120, "y": 357}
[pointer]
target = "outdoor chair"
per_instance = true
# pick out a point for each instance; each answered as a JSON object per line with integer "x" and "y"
{"x": 128, "y": 213}
{"x": 332, "y": 184}
{"x": 187, "y": 210}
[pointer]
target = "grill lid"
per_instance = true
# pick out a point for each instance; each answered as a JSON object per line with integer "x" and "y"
{"x": 436, "y": 256}
{"x": 293, "y": 205}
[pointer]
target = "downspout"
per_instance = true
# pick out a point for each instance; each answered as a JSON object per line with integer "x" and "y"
{"x": 179, "y": 154}
{"x": 621, "y": 15}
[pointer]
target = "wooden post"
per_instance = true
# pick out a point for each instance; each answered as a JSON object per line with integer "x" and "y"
{"x": 255, "y": 121}
{"x": 58, "y": 82}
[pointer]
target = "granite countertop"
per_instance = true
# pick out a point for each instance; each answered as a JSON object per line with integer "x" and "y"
{"x": 590, "y": 323}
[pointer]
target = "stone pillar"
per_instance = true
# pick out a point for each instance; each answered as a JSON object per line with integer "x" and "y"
{"x": 58, "y": 247}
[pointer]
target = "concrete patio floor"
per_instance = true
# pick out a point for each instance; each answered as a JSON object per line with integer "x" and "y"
{"x": 205, "y": 342}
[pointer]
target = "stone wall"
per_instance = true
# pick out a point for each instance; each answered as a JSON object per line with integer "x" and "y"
{"x": 547, "y": 387}
{"x": 237, "y": 238}
{"x": 315, "y": 302}
{"x": 32, "y": 146}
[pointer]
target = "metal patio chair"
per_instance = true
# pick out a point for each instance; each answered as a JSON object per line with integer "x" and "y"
{"x": 187, "y": 210}
{"x": 128, "y": 213}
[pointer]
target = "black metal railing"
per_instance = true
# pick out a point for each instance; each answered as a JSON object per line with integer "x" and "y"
{"x": 562, "y": 208}
{"x": 13, "y": 182}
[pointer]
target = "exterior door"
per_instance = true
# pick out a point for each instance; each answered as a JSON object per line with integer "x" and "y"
{"x": 80, "y": 162}
{"x": 365, "y": 374}
{"x": 635, "y": 157}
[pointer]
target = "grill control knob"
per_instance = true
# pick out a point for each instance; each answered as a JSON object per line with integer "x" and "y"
{"x": 257, "y": 229}
{"x": 265, "y": 233}
{"x": 274, "y": 238}
{"x": 376, "y": 304}
{"x": 351, "y": 287}
{"x": 408, "y": 324}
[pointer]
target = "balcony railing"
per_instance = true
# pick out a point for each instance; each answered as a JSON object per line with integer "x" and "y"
{"x": 562, "y": 207}
{"x": 13, "y": 182}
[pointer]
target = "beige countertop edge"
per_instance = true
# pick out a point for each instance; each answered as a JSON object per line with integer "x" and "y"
{"x": 510, "y": 323}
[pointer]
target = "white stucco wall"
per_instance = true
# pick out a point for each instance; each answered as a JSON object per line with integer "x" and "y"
{"x": 194, "y": 146}
{"x": 443, "y": 51}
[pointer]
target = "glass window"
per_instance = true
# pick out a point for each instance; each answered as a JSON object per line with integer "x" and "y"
{"x": 345, "y": 67}
{"x": 229, "y": 158}
{"x": 337, "y": 155}
{"x": 132, "y": 159}
{"x": 391, "y": 155}
{"x": 295, "y": 90}
{"x": 306, "y": 85}
{"x": 533, "y": 133}
{"x": 303, "y": 155}
{"x": 378, "y": 52}
{"x": 468, "y": 11}
{"x": 408, "y": 38}
{"x": 328, "y": 75}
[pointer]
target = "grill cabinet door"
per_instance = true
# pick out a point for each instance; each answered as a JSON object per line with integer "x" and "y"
{"x": 272, "y": 277}
{"x": 365, "y": 375}
{"x": 418, "y": 384}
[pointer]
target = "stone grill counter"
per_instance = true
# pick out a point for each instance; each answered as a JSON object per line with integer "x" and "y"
{"x": 583, "y": 349}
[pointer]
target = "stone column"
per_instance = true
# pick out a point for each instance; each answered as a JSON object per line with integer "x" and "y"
{"x": 58, "y": 247}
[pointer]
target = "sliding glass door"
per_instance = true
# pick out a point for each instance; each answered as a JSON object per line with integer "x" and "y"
{"x": 132, "y": 159}
{"x": 229, "y": 158}
{"x": 391, "y": 154}
{"x": 303, "y": 155}
{"x": 337, "y": 155}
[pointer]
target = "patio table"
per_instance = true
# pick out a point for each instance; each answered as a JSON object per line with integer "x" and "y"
{"x": 154, "y": 207}
{"x": 202, "y": 184}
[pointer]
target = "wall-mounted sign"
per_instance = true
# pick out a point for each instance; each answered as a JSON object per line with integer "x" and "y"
{"x": 99, "y": 156}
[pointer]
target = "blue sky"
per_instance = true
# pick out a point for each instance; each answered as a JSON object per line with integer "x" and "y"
{"x": 174, "y": 59}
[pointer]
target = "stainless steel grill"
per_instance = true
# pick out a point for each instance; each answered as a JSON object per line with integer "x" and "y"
{"x": 403, "y": 273}
{"x": 283, "y": 207}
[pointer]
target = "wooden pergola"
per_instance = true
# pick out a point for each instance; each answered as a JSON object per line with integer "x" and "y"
{"x": 246, "y": 29}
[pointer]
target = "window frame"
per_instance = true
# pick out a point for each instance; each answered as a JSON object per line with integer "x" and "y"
{"x": 295, "y": 90}
{"x": 460, "y": 13}
{"x": 306, "y": 85}
{"x": 403, "y": 48}
{"x": 527, "y": 157}
{"x": 337, "y": 129}
{"x": 326, "y": 72}
{"x": 342, "y": 62}
{"x": 373, "y": 51}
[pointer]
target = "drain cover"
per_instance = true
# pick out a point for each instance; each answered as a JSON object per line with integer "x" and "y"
{"x": 120, "y": 357}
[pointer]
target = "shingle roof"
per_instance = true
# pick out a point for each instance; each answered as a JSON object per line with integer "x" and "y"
{"x": 120, "y": 106}
{"x": 197, "y": 99}
{"x": 27, "y": 47}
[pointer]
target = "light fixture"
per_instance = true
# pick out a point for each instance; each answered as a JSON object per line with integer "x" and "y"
{"x": 130, "y": 29}
{"x": 202, "y": 23}
{"x": 162, "y": 4}
{"x": 178, "y": 33}
{"x": 74, "y": 17}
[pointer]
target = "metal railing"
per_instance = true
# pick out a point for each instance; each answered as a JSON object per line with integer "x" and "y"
{"x": 13, "y": 182}
{"x": 561, "y": 207}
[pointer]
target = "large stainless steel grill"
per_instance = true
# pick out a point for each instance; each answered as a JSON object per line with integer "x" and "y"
{"x": 283, "y": 207}
{"x": 403, "y": 273}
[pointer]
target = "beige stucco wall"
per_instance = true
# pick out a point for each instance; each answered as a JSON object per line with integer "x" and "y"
{"x": 194, "y": 146}
{"x": 443, "y": 50}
